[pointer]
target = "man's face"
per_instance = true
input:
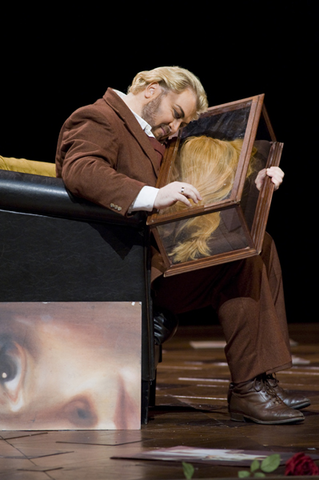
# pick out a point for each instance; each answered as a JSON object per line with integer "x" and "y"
{"x": 167, "y": 112}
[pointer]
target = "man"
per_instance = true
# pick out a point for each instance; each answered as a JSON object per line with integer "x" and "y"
{"x": 110, "y": 153}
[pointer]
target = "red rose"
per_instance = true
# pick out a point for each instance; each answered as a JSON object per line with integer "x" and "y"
{"x": 301, "y": 464}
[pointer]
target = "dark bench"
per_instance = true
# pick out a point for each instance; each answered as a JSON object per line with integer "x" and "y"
{"x": 58, "y": 248}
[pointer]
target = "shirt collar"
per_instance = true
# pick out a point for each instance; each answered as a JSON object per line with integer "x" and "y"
{"x": 144, "y": 125}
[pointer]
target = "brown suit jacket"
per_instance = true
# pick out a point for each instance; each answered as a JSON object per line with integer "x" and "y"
{"x": 104, "y": 156}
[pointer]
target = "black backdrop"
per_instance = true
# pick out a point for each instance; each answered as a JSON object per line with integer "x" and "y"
{"x": 55, "y": 59}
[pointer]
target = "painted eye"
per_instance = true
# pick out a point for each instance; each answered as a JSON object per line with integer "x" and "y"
{"x": 11, "y": 368}
{"x": 8, "y": 368}
{"x": 8, "y": 364}
{"x": 80, "y": 413}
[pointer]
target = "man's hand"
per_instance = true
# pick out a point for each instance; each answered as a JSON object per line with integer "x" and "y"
{"x": 176, "y": 191}
{"x": 275, "y": 173}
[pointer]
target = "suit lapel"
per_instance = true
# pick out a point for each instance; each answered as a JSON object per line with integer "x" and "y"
{"x": 117, "y": 104}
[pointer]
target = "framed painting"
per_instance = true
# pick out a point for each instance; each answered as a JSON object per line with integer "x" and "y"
{"x": 70, "y": 365}
{"x": 223, "y": 154}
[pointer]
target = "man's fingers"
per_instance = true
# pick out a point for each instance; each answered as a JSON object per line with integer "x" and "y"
{"x": 191, "y": 192}
{"x": 174, "y": 192}
{"x": 183, "y": 198}
{"x": 276, "y": 175}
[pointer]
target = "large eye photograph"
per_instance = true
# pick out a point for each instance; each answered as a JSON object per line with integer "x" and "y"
{"x": 68, "y": 365}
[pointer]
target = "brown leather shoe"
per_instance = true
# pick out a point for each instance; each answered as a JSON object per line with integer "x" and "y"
{"x": 291, "y": 399}
{"x": 257, "y": 401}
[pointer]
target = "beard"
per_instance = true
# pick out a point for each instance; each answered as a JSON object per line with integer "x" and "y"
{"x": 149, "y": 114}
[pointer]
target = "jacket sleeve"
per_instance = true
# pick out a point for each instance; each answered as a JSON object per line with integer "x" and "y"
{"x": 87, "y": 159}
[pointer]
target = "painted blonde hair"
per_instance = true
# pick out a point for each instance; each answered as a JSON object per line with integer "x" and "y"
{"x": 210, "y": 166}
{"x": 176, "y": 79}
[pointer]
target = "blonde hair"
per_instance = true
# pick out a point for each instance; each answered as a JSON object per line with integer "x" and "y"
{"x": 210, "y": 166}
{"x": 176, "y": 79}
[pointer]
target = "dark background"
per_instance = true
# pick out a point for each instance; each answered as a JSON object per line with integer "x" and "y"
{"x": 55, "y": 59}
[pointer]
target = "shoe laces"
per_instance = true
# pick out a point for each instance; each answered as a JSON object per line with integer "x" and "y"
{"x": 269, "y": 384}
{"x": 272, "y": 379}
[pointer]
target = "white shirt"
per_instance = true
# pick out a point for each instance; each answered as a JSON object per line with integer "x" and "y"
{"x": 146, "y": 197}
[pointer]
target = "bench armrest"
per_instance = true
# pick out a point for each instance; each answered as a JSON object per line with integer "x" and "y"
{"x": 41, "y": 195}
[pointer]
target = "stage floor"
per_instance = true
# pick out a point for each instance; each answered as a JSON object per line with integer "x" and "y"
{"x": 191, "y": 410}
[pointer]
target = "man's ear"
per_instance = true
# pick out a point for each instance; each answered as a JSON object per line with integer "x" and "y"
{"x": 152, "y": 90}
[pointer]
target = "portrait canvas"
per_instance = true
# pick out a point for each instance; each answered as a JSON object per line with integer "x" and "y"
{"x": 223, "y": 154}
{"x": 209, "y": 456}
{"x": 70, "y": 365}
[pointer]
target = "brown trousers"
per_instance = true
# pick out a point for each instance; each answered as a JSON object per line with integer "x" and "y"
{"x": 249, "y": 300}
